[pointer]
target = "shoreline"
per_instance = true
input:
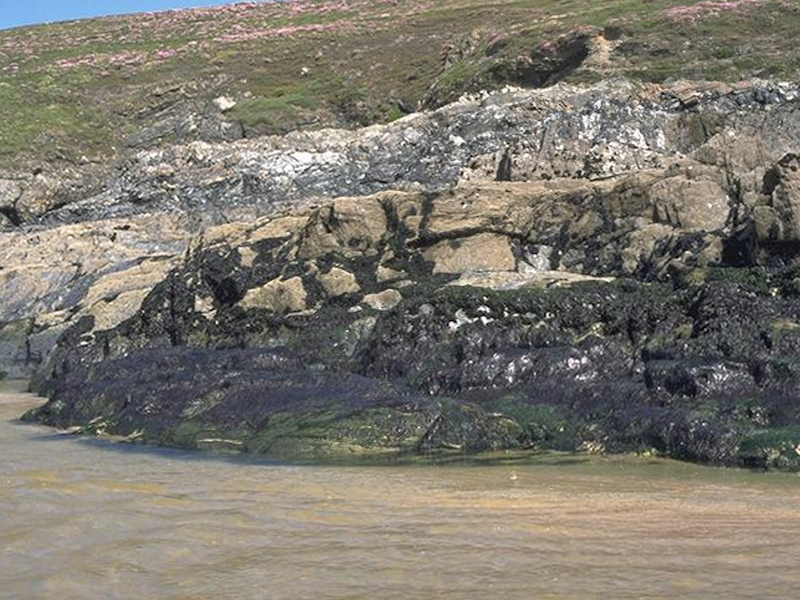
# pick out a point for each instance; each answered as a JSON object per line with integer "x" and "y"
{"x": 16, "y": 391}
{"x": 497, "y": 458}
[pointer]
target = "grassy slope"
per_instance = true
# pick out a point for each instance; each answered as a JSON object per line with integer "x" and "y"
{"x": 79, "y": 87}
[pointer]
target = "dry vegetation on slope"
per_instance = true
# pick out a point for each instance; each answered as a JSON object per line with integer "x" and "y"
{"x": 83, "y": 90}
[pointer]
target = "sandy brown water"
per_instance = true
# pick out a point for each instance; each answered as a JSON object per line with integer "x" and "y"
{"x": 82, "y": 519}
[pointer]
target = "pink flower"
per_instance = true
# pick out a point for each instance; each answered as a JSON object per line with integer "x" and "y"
{"x": 165, "y": 53}
{"x": 239, "y": 36}
{"x": 690, "y": 14}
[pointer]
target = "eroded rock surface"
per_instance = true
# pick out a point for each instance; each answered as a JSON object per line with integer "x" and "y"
{"x": 563, "y": 131}
{"x": 608, "y": 268}
{"x": 51, "y": 277}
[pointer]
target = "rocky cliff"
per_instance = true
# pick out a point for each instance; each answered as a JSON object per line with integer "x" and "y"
{"x": 81, "y": 98}
{"x": 599, "y": 268}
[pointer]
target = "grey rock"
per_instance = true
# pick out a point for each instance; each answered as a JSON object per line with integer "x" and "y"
{"x": 564, "y": 131}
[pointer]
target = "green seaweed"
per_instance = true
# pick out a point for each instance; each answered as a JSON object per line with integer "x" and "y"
{"x": 775, "y": 448}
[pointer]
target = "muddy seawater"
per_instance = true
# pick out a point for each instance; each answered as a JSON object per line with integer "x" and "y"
{"x": 84, "y": 519}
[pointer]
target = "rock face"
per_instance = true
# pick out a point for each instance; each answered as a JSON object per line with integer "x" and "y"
{"x": 560, "y": 132}
{"x": 607, "y": 268}
{"x": 49, "y": 278}
{"x": 778, "y": 219}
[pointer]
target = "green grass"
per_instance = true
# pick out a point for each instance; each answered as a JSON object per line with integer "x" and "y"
{"x": 283, "y": 105}
{"x": 363, "y": 61}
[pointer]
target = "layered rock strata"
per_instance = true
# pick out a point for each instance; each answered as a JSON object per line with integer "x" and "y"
{"x": 606, "y": 268}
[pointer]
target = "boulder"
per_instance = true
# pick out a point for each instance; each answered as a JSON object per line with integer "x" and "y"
{"x": 383, "y": 301}
{"x": 384, "y": 274}
{"x": 338, "y": 282}
{"x": 278, "y": 296}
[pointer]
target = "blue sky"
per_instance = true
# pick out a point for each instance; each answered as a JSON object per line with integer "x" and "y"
{"x": 27, "y": 12}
